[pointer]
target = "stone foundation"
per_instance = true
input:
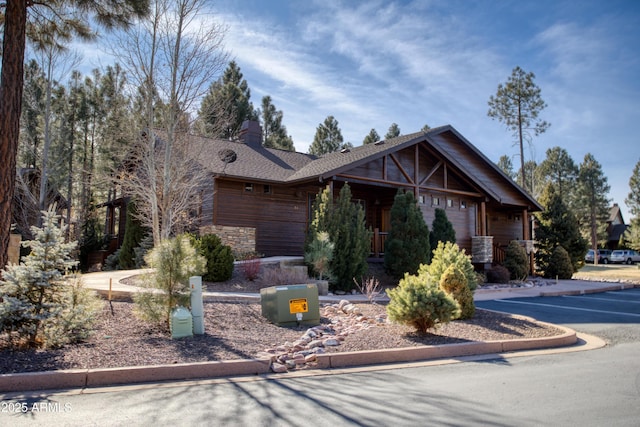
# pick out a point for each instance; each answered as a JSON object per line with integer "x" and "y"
{"x": 241, "y": 239}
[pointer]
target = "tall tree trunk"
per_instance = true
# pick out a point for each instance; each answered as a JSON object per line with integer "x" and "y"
{"x": 44, "y": 172}
{"x": 10, "y": 108}
{"x": 521, "y": 140}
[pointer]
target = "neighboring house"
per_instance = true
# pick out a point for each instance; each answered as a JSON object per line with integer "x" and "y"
{"x": 25, "y": 209}
{"x": 615, "y": 227}
{"x": 262, "y": 199}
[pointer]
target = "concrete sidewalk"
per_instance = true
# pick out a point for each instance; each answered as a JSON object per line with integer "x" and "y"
{"x": 110, "y": 283}
{"x": 105, "y": 280}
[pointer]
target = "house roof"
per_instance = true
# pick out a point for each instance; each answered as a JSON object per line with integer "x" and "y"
{"x": 615, "y": 215}
{"x": 254, "y": 161}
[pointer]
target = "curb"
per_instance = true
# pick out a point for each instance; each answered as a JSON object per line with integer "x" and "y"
{"x": 620, "y": 287}
{"x": 85, "y": 378}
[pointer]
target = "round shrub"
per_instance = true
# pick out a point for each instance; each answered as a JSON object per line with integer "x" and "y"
{"x": 418, "y": 302}
{"x": 219, "y": 258}
{"x": 498, "y": 274}
{"x": 447, "y": 254}
{"x": 516, "y": 261}
{"x": 560, "y": 265}
{"x": 455, "y": 284}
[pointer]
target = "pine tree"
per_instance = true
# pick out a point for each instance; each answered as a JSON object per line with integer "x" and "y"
{"x": 32, "y": 291}
{"x": 274, "y": 132}
{"x": 351, "y": 239}
{"x": 407, "y": 245}
{"x": 506, "y": 165}
{"x": 559, "y": 170}
{"x": 70, "y": 18}
{"x": 557, "y": 226}
{"x": 393, "y": 132}
{"x": 592, "y": 203}
{"x": 328, "y": 138}
{"x": 227, "y": 104}
{"x": 371, "y": 137}
{"x": 318, "y": 225}
{"x": 174, "y": 261}
{"x": 441, "y": 229}
{"x": 517, "y": 104}
{"x": 632, "y": 235}
{"x": 530, "y": 177}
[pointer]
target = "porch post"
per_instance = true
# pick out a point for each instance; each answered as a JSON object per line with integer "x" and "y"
{"x": 526, "y": 233}
{"x": 214, "y": 201}
{"x": 483, "y": 218}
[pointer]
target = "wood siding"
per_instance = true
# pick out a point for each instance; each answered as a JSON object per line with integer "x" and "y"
{"x": 279, "y": 217}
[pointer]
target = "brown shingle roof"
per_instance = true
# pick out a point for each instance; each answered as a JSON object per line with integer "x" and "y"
{"x": 279, "y": 166}
{"x": 252, "y": 162}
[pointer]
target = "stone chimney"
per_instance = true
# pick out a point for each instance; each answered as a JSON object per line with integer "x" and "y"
{"x": 251, "y": 133}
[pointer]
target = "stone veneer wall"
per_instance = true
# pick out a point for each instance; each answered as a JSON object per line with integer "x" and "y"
{"x": 482, "y": 249}
{"x": 241, "y": 239}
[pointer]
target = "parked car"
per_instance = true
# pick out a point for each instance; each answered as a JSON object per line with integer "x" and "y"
{"x": 604, "y": 256}
{"x": 625, "y": 256}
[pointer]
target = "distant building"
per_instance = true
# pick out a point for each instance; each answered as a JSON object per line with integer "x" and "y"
{"x": 615, "y": 227}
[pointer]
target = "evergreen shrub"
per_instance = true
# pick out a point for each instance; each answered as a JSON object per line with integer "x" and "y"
{"x": 441, "y": 229}
{"x": 498, "y": 274}
{"x": 36, "y": 301}
{"x": 174, "y": 261}
{"x": 133, "y": 235}
{"x": 407, "y": 245}
{"x": 447, "y": 254}
{"x": 351, "y": 239}
{"x": 455, "y": 284}
{"x": 345, "y": 223}
{"x": 219, "y": 258}
{"x": 74, "y": 321}
{"x": 319, "y": 254}
{"x": 516, "y": 261}
{"x": 560, "y": 264}
{"x": 419, "y": 302}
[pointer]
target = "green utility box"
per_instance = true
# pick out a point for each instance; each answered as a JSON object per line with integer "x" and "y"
{"x": 291, "y": 304}
{"x": 181, "y": 323}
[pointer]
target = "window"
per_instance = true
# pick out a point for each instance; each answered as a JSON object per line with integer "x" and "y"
{"x": 248, "y": 187}
{"x": 463, "y": 204}
{"x": 435, "y": 201}
{"x": 266, "y": 189}
{"x": 421, "y": 200}
{"x": 449, "y": 203}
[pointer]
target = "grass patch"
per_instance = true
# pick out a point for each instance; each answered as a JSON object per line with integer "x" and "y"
{"x": 609, "y": 272}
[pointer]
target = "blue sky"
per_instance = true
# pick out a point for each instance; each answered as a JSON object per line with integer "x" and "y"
{"x": 372, "y": 63}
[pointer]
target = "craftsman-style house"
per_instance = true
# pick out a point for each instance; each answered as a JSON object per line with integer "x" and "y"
{"x": 259, "y": 199}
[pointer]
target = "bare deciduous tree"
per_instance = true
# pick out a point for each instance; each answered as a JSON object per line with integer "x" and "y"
{"x": 174, "y": 55}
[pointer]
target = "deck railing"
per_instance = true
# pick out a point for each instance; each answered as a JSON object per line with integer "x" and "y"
{"x": 499, "y": 254}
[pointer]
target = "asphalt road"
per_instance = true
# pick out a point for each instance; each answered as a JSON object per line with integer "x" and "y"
{"x": 585, "y": 388}
{"x": 612, "y": 316}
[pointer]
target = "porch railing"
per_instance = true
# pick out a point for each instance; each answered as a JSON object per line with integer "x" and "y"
{"x": 377, "y": 243}
{"x": 499, "y": 254}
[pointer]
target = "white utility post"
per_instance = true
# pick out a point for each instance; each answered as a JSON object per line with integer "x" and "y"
{"x": 197, "y": 307}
